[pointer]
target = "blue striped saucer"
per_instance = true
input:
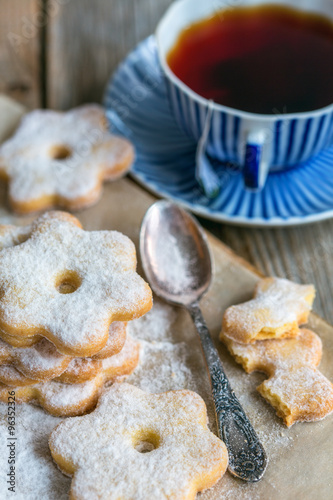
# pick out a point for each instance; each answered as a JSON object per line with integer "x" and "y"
{"x": 138, "y": 108}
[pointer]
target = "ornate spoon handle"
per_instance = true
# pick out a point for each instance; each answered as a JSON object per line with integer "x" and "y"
{"x": 247, "y": 457}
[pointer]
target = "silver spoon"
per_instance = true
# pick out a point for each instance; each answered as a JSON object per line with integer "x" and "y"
{"x": 176, "y": 259}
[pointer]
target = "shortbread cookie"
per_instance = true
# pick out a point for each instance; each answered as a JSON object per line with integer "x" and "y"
{"x": 15, "y": 341}
{"x": 62, "y": 399}
{"x": 62, "y": 159}
{"x": 13, "y": 378}
{"x": 140, "y": 445}
{"x": 278, "y": 307}
{"x": 114, "y": 344}
{"x": 39, "y": 362}
{"x": 295, "y": 388}
{"x": 11, "y": 236}
{"x": 43, "y": 362}
{"x": 68, "y": 285}
{"x": 116, "y": 340}
{"x": 78, "y": 371}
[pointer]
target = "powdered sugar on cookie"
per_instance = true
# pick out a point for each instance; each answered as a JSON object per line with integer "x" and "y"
{"x": 115, "y": 342}
{"x": 139, "y": 445}
{"x": 276, "y": 310}
{"x": 68, "y": 285}
{"x": 62, "y": 159}
{"x": 295, "y": 388}
{"x": 62, "y": 399}
{"x": 42, "y": 361}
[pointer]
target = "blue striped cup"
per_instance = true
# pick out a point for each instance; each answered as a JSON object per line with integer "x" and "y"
{"x": 257, "y": 143}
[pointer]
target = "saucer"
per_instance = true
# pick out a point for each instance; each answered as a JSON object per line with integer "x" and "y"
{"x": 138, "y": 108}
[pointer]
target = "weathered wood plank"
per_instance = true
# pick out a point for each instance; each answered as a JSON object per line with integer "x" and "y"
{"x": 86, "y": 41}
{"x": 21, "y": 22}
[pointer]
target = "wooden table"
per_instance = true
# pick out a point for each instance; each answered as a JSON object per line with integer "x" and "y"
{"x": 59, "y": 53}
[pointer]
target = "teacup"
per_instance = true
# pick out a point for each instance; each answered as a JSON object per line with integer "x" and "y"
{"x": 257, "y": 143}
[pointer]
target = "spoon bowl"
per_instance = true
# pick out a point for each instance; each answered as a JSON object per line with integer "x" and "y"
{"x": 175, "y": 254}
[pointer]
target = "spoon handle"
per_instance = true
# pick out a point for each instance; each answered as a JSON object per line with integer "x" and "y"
{"x": 247, "y": 457}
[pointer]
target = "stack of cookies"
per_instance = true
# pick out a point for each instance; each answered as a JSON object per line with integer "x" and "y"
{"x": 264, "y": 334}
{"x": 66, "y": 296}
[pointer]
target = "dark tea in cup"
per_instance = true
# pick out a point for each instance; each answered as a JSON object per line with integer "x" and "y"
{"x": 264, "y": 59}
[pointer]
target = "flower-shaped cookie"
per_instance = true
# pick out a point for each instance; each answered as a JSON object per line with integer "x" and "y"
{"x": 42, "y": 361}
{"x": 68, "y": 285}
{"x": 62, "y": 400}
{"x": 61, "y": 159}
{"x": 140, "y": 445}
{"x": 295, "y": 388}
{"x": 278, "y": 307}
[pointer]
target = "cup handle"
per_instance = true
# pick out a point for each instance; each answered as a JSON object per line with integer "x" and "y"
{"x": 204, "y": 172}
{"x": 256, "y": 166}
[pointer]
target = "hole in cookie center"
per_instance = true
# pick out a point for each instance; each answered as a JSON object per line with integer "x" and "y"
{"x": 145, "y": 447}
{"x": 67, "y": 282}
{"x": 60, "y": 152}
{"x": 146, "y": 441}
